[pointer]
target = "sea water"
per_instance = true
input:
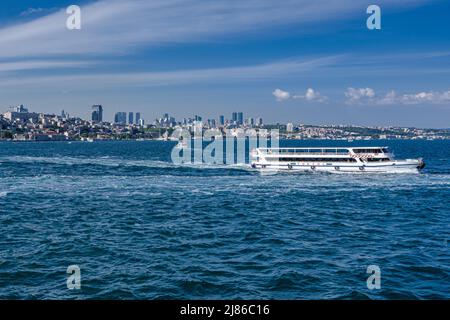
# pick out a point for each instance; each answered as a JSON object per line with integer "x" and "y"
{"x": 140, "y": 227}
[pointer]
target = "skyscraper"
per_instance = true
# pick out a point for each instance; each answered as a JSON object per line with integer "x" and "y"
{"x": 120, "y": 118}
{"x": 130, "y": 118}
{"x": 234, "y": 117}
{"x": 138, "y": 117}
{"x": 97, "y": 113}
{"x": 212, "y": 123}
{"x": 289, "y": 127}
{"x": 240, "y": 118}
{"x": 259, "y": 122}
{"x": 221, "y": 120}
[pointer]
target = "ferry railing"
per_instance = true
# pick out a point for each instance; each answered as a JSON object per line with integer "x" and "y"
{"x": 305, "y": 151}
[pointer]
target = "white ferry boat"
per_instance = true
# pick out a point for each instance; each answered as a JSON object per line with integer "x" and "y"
{"x": 350, "y": 160}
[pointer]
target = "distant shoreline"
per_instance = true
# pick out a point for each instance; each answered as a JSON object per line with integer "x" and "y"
{"x": 173, "y": 141}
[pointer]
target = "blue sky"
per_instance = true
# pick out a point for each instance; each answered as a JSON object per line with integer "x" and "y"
{"x": 303, "y": 61}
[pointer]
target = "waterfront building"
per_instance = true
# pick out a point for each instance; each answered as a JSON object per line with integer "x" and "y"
{"x": 97, "y": 113}
{"x": 138, "y": 117}
{"x": 221, "y": 120}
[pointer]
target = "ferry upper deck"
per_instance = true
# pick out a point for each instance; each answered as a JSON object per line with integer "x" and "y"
{"x": 325, "y": 151}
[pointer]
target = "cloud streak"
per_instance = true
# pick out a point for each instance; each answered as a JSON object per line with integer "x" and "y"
{"x": 268, "y": 71}
{"x": 41, "y": 64}
{"x": 115, "y": 26}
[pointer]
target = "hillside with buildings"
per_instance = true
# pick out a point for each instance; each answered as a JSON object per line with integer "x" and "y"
{"x": 20, "y": 124}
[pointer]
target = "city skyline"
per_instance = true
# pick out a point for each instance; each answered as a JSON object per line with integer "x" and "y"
{"x": 123, "y": 117}
{"x": 292, "y": 61}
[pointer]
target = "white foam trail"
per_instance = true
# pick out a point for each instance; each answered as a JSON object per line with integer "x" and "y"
{"x": 115, "y": 162}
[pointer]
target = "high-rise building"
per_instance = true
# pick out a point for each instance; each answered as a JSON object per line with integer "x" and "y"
{"x": 221, "y": 120}
{"x": 259, "y": 122}
{"x": 212, "y": 123}
{"x": 97, "y": 113}
{"x": 198, "y": 118}
{"x": 289, "y": 127}
{"x": 130, "y": 117}
{"x": 20, "y": 109}
{"x": 138, "y": 117}
{"x": 120, "y": 118}
{"x": 234, "y": 117}
{"x": 240, "y": 118}
{"x": 141, "y": 122}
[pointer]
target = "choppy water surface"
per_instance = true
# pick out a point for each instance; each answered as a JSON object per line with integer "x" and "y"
{"x": 140, "y": 227}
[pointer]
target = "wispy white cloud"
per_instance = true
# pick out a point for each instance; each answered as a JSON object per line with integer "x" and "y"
{"x": 367, "y": 96}
{"x": 310, "y": 95}
{"x": 423, "y": 97}
{"x": 34, "y": 11}
{"x": 359, "y": 95}
{"x": 281, "y": 95}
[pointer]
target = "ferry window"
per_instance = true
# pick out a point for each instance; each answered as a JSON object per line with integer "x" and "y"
{"x": 377, "y": 159}
{"x": 367, "y": 150}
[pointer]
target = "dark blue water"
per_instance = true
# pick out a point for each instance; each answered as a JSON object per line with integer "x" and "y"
{"x": 140, "y": 227}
